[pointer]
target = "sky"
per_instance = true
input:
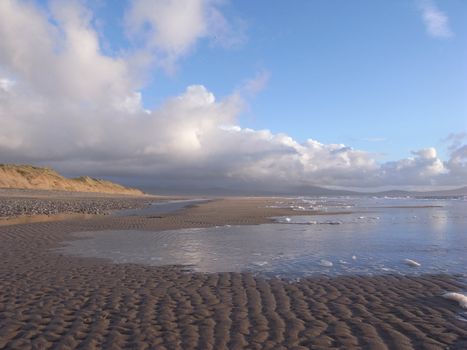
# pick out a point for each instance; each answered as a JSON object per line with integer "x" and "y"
{"x": 363, "y": 94}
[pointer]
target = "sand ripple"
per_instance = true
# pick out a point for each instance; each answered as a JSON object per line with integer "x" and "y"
{"x": 49, "y": 301}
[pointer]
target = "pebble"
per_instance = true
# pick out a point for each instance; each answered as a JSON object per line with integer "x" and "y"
{"x": 11, "y": 207}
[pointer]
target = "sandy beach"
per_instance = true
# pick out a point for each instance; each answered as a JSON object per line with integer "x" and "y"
{"x": 221, "y": 174}
{"x": 53, "y": 301}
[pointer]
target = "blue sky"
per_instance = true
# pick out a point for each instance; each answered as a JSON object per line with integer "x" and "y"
{"x": 363, "y": 93}
{"x": 363, "y": 73}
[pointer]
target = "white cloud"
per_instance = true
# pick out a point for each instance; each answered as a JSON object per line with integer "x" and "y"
{"x": 6, "y": 84}
{"x": 455, "y": 140}
{"x": 457, "y": 164}
{"x": 63, "y": 60}
{"x": 74, "y": 108}
{"x": 171, "y": 26}
{"x": 424, "y": 168}
{"x": 256, "y": 84}
{"x": 436, "y": 21}
{"x": 169, "y": 29}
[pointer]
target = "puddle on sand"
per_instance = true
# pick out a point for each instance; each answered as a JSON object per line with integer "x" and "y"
{"x": 159, "y": 208}
{"x": 378, "y": 242}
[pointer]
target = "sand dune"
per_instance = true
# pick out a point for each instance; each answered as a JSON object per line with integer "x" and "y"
{"x": 31, "y": 177}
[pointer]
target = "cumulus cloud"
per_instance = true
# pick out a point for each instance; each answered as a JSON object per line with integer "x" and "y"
{"x": 169, "y": 29}
{"x": 436, "y": 21}
{"x": 423, "y": 167}
{"x": 458, "y": 164}
{"x": 65, "y": 103}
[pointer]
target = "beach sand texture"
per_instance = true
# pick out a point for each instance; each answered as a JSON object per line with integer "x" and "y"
{"x": 51, "y": 301}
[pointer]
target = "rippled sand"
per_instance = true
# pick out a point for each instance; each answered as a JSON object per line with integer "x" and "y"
{"x": 52, "y": 301}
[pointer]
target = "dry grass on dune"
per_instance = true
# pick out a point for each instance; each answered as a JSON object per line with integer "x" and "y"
{"x": 31, "y": 177}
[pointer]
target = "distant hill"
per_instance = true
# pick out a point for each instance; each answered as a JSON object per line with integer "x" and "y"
{"x": 320, "y": 191}
{"x": 456, "y": 192}
{"x": 301, "y": 191}
{"x": 31, "y": 177}
{"x": 462, "y": 191}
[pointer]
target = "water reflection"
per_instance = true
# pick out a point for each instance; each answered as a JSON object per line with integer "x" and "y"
{"x": 158, "y": 208}
{"x": 370, "y": 241}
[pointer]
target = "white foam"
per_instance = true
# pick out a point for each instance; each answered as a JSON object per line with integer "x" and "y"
{"x": 354, "y": 257}
{"x": 412, "y": 263}
{"x": 287, "y": 219}
{"x": 260, "y": 263}
{"x": 297, "y": 207}
{"x": 387, "y": 269}
{"x": 325, "y": 263}
{"x": 460, "y": 298}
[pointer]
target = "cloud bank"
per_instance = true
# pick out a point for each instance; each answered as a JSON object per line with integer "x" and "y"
{"x": 66, "y": 104}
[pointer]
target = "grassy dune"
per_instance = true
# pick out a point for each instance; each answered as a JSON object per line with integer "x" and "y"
{"x": 31, "y": 177}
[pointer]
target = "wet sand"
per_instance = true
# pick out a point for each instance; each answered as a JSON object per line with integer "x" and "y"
{"x": 27, "y": 219}
{"x": 51, "y": 301}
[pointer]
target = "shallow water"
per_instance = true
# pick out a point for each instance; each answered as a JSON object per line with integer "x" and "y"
{"x": 375, "y": 238}
{"x": 158, "y": 208}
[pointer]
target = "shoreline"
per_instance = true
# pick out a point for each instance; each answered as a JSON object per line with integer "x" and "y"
{"x": 51, "y": 300}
